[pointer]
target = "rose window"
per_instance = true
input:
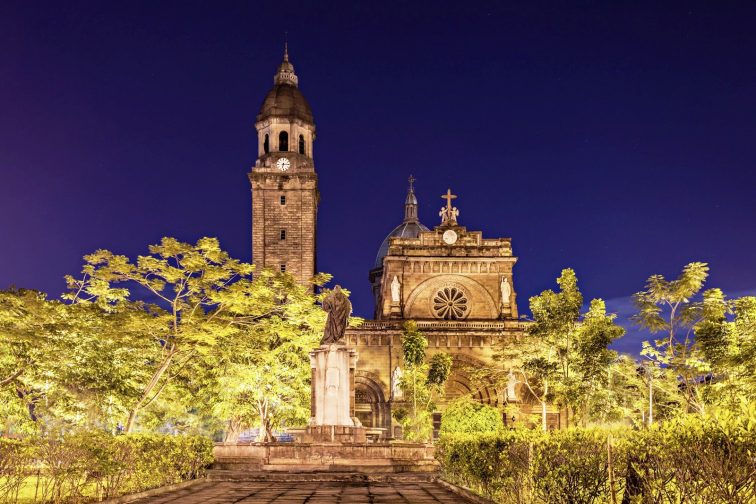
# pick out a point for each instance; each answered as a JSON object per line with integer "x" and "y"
{"x": 450, "y": 303}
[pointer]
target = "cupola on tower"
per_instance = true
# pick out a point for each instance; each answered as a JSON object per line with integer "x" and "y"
{"x": 284, "y": 183}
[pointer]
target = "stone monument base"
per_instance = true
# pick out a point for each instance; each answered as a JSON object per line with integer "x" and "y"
{"x": 330, "y": 434}
{"x": 367, "y": 458}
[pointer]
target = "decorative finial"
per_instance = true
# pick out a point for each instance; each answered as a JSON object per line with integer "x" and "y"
{"x": 285, "y": 74}
{"x": 410, "y": 203}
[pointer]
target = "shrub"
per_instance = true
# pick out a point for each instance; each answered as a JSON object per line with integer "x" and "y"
{"x": 466, "y": 415}
{"x": 692, "y": 459}
{"x": 698, "y": 459}
{"x": 93, "y": 465}
{"x": 492, "y": 464}
{"x": 572, "y": 466}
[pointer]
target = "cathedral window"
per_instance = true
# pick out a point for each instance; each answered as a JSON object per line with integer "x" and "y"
{"x": 283, "y": 234}
{"x": 283, "y": 141}
{"x": 301, "y": 144}
{"x": 283, "y": 200}
{"x": 283, "y": 268}
{"x": 266, "y": 144}
{"x": 450, "y": 303}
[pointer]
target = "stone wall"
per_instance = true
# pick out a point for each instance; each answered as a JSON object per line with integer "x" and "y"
{"x": 298, "y": 217}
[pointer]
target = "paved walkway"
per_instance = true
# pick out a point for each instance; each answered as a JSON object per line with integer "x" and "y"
{"x": 315, "y": 492}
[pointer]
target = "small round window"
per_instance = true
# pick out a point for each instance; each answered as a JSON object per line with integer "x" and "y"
{"x": 450, "y": 303}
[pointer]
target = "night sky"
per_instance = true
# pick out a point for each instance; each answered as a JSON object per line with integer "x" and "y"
{"x": 616, "y": 139}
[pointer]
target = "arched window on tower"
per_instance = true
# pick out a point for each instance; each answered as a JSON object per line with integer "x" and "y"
{"x": 266, "y": 144}
{"x": 283, "y": 141}
{"x": 301, "y": 144}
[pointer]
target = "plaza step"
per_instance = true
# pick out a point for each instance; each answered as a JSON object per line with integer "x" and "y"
{"x": 309, "y": 476}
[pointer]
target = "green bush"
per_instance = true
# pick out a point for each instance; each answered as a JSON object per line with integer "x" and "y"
{"x": 466, "y": 415}
{"x": 572, "y": 466}
{"x": 697, "y": 459}
{"x": 491, "y": 464}
{"x": 85, "y": 467}
{"x": 692, "y": 459}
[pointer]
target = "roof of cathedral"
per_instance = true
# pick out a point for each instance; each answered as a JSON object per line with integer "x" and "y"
{"x": 285, "y": 99}
{"x": 411, "y": 227}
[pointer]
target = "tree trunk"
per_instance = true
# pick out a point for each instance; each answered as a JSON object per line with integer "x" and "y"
{"x": 651, "y": 397}
{"x": 265, "y": 434}
{"x": 633, "y": 483}
{"x": 543, "y": 406}
{"x": 148, "y": 390}
{"x": 610, "y": 469}
{"x": 30, "y": 405}
{"x": 233, "y": 432}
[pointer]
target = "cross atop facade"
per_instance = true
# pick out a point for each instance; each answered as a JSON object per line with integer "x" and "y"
{"x": 448, "y": 197}
{"x": 412, "y": 182}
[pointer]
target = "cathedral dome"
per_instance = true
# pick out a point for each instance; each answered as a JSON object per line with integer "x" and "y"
{"x": 411, "y": 227}
{"x": 285, "y": 100}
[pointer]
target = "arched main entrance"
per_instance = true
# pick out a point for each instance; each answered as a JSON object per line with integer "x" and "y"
{"x": 460, "y": 383}
{"x": 370, "y": 401}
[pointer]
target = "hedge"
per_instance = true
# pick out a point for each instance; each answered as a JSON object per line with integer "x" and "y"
{"x": 92, "y": 466}
{"x": 692, "y": 459}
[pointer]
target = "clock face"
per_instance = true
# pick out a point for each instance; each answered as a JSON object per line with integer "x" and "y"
{"x": 450, "y": 236}
{"x": 283, "y": 164}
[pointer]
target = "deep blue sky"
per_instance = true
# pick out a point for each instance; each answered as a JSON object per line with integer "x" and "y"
{"x": 617, "y": 139}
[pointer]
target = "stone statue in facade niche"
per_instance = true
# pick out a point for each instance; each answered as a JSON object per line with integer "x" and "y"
{"x": 506, "y": 291}
{"x": 395, "y": 290}
{"x": 338, "y": 308}
{"x": 511, "y": 384}
{"x": 396, "y": 380}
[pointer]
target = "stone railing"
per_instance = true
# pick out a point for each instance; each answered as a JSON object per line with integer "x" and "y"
{"x": 440, "y": 325}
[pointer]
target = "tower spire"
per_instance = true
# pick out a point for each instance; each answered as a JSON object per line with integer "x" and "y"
{"x": 410, "y": 203}
{"x": 285, "y": 74}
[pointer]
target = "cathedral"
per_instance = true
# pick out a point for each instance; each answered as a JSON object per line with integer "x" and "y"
{"x": 455, "y": 283}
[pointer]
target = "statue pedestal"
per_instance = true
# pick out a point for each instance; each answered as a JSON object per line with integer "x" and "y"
{"x": 332, "y": 402}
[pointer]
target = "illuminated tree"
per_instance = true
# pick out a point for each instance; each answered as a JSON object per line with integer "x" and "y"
{"x": 422, "y": 384}
{"x": 67, "y": 364}
{"x": 564, "y": 355}
{"x": 728, "y": 347}
{"x": 262, "y": 374}
{"x": 199, "y": 296}
{"x": 667, "y": 307}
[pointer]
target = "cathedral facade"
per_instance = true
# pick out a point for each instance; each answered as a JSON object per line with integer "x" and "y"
{"x": 455, "y": 283}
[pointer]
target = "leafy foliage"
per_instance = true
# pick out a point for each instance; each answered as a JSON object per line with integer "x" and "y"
{"x": 93, "y": 465}
{"x": 422, "y": 385}
{"x": 693, "y": 459}
{"x": 728, "y": 347}
{"x": 465, "y": 415}
{"x": 564, "y": 355}
{"x": 667, "y": 306}
{"x": 439, "y": 369}
{"x": 262, "y": 375}
{"x": 413, "y": 344}
{"x": 204, "y": 347}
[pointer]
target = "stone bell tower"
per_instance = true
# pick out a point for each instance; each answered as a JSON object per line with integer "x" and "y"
{"x": 284, "y": 182}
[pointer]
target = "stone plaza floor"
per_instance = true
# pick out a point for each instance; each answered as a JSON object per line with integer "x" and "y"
{"x": 311, "y": 492}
